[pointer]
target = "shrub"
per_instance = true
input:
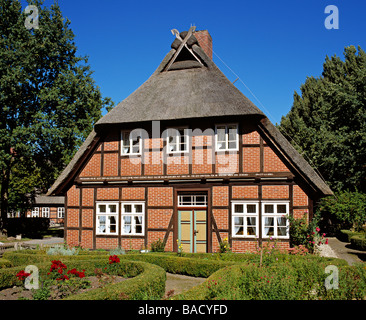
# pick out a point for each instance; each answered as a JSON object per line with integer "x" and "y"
{"x": 346, "y": 235}
{"x": 347, "y": 209}
{"x": 63, "y": 250}
{"x": 4, "y": 263}
{"x": 359, "y": 242}
{"x": 158, "y": 246}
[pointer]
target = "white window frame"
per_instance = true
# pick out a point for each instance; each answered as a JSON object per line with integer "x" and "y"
{"x": 60, "y": 212}
{"x": 107, "y": 214}
{"x": 131, "y": 145}
{"x": 245, "y": 215}
{"x": 226, "y": 125}
{"x": 45, "y": 212}
{"x": 35, "y": 212}
{"x": 176, "y": 134}
{"x": 275, "y": 215}
{"x": 193, "y": 200}
{"x": 132, "y": 214}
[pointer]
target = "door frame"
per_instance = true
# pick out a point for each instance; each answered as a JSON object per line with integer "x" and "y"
{"x": 208, "y": 217}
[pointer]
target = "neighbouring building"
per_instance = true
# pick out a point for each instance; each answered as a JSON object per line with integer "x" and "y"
{"x": 187, "y": 159}
{"x": 48, "y": 207}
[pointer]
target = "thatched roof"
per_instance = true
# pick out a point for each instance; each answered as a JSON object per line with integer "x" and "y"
{"x": 186, "y": 91}
{"x": 188, "y": 86}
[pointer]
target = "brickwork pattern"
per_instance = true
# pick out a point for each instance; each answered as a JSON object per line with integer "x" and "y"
{"x": 92, "y": 168}
{"x": 244, "y": 192}
{"x": 133, "y": 193}
{"x": 220, "y": 196}
{"x": 275, "y": 192}
{"x": 159, "y": 218}
{"x": 300, "y": 197}
{"x": 160, "y": 196}
{"x": 107, "y": 193}
{"x": 87, "y": 197}
{"x": 110, "y": 164}
{"x": 272, "y": 163}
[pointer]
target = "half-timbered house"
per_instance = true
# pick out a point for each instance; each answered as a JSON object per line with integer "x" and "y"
{"x": 187, "y": 159}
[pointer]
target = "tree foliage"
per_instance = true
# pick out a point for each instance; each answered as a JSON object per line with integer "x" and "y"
{"x": 327, "y": 122}
{"x": 49, "y": 101}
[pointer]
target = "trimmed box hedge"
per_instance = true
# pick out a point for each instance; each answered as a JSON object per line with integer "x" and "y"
{"x": 346, "y": 235}
{"x": 4, "y": 263}
{"x": 148, "y": 280}
{"x": 359, "y": 242}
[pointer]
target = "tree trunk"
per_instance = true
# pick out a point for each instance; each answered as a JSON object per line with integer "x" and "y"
{"x": 4, "y": 196}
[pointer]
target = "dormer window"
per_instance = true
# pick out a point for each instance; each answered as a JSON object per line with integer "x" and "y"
{"x": 177, "y": 140}
{"x": 227, "y": 137}
{"x": 131, "y": 142}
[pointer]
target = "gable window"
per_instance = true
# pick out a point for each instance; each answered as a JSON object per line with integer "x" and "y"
{"x": 35, "y": 212}
{"x": 107, "y": 214}
{"x": 131, "y": 142}
{"x": 227, "y": 137}
{"x": 274, "y": 221}
{"x": 45, "y": 212}
{"x": 177, "y": 140}
{"x": 60, "y": 212}
{"x": 245, "y": 219}
{"x": 133, "y": 218}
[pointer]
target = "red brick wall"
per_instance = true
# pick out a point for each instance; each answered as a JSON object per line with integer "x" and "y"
{"x": 110, "y": 164}
{"x": 272, "y": 163}
{"x": 106, "y": 243}
{"x": 108, "y": 194}
{"x": 220, "y": 196}
{"x": 177, "y": 164}
{"x": 87, "y": 197}
{"x": 160, "y": 196}
{"x": 73, "y": 196}
{"x": 92, "y": 168}
{"x": 73, "y": 218}
{"x": 132, "y": 243}
{"x": 159, "y": 218}
{"x": 275, "y": 192}
{"x": 205, "y": 41}
{"x": 221, "y": 217}
{"x": 251, "y": 159}
{"x": 133, "y": 193}
{"x": 300, "y": 197}
{"x": 130, "y": 167}
{"x": 245, "y": 192}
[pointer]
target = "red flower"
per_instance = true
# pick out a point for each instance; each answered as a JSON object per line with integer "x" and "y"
{"x": 21, "y": 275}
{"x": 326, "y": 241}
{"x": 113, "y": 259}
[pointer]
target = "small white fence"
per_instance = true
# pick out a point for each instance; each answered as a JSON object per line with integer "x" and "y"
{"x": 18, "y": 246}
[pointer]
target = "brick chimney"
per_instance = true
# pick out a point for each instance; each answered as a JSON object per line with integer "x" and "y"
{"x": 205, "y": 41}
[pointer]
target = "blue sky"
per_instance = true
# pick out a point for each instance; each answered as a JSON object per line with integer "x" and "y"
{"x": 271, "y": 45}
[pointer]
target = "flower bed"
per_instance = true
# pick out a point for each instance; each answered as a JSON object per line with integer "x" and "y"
{"x": 144, "y": 280}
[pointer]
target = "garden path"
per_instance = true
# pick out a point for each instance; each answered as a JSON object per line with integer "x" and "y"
{"x": 180, "y": 283}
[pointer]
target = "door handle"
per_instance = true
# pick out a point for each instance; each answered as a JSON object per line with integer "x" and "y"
{"x": 195, "y": 232}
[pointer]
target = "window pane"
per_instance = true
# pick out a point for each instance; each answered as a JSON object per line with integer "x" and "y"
{"x": 136, "y": 148}
{"x": 239, "y": 208}
{"x": 268, "y": 208}
{"x": 232, "y": 133}
{"x": 112, "y": 224}
{"x": 127, "y": 219}
{"x": 269, "y": 231}
{"x": 138, "y": 229}
{"x": 221, "y": 134}
{"x": 127, "y": 208}
{"x": 232, "y": 145}
{"x": 281, "y": 208}
{"x": 127, "y": 228}
{"x": 112, "y": 208}
{"x": 281, "y": 231}
{"x": 138, "y": 219}
{"x": 251, "y": 208}
{"x": 221, "y": 145}
{"x": 281, "y": 221}
{"x": 269, "y": 221}
{"x": 138, "y": 208}
{"x": 102, "y": 227}
{"x": 251, "y": 231}
{"x": 102, "y": 208}
{"x": 238, "y": 221}
{"x": 238, "y": 230}
{"x": 251, "y": 221}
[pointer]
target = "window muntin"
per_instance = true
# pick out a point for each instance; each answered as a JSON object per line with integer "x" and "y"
{"x": 196, "y": 200}
{"x": 245, "y": 219}
{"x": 60, "y": 212}
{"x": 131, "y": 144}
{"x": 177, "y": 140}
{"x": 107, "y": 218}
{"x": 45, "y": 212}
{"x": 35, "y": 212}
{"x": 133, "y": 220}
{"x": 227, "y": 137}
{"x": 274, "y": 221}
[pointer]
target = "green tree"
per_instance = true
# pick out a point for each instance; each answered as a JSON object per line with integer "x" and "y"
{"x": 327, "y": 122}
{"x": 49, "y": 101}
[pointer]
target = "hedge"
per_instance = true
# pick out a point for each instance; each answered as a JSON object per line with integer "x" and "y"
{"x": 4, "y": 263}
{"x": 346, "y": 235}
{"x": 148, "y": 280}
{"x": 359, "y": 242}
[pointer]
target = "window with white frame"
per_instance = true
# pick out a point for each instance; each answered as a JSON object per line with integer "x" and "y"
{"x": 274, "y": 220}
{"x": 131, "y": 142}
{"x": 227, "y": 137}
{"x": 45, "y": 212}
{"x": 35, "y": 212}
{"x": 107, "y": 218}
{"x": 60, "y": 212}
{"x": 133, "y": 218}
{"x": 177, "y": 140}
{"x": 245, "y": 219}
